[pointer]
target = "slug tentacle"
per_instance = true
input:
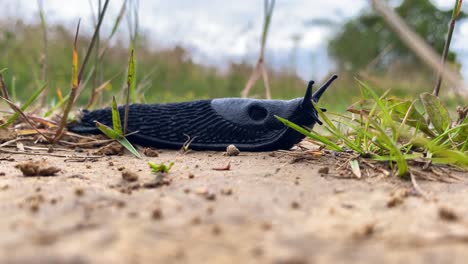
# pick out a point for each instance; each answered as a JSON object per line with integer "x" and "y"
{"x": 250, "y": 124}
{"x": 321, "y": 90}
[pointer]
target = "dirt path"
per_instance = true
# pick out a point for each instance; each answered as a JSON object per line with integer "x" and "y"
{"x": 263, "y": 210}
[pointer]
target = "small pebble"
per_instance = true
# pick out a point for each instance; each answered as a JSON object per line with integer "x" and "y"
{"x": 78, "y": 150}
{"x": 129, "y": 176}
{"x": 324, "y": 170}
{"x": 156, "y": 214}
{"x": 226, "y": 191}
{"x": 79, "y": 192}
{"x": 266, "y": 226}
{"x": 34, "y": 207}
{"x": 201, "y": 191}
{"x": 149, "y": 152}
{"x": 216, "y": 230}
{"x": 295, "y": 205}
{"x": 210, "y": 196}
{"x": 53, "y": 201}
{"x": 447, "y": 214}
{"x": 196, "y": 220}
{"x": 232, "y": 150}
{"x": 209, "y": 210}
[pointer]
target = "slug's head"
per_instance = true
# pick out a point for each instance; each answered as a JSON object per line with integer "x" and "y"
{"x": 306, "y": 105}
{"x": 259, "y": 115}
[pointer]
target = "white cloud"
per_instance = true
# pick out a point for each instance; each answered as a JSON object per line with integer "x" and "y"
{"x": 218, "y": 30}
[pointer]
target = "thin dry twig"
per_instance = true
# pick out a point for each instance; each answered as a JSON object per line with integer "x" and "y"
{"x": 25, "y": 118}
{"x": 96, "y": 73}
{"x": 133, "y": 21}
{"x": 114, "y": 29}
{"x": 98, "y": 89}
{"x": 260, "y": 69}
{"x": 130, "y": 79}
{"x": 47, "y": 154}
{"x": 5, "y": 144}
{"x": 45, "y": 43}
{"x": 93, "y": 40}
{"x": 418, "y": 188}
{"x": 91, "y": 143}
{"x": 225, "y": 168}
{"x": 3, "y": 88}
{"x": 73, "y": 92}
{"x": 379, "y": 57}
{"x": 456, "y": 12}
{"x": 77, "y": 79}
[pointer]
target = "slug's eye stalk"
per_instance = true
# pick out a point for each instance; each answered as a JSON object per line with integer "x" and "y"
{"x": 306, "y": 102}
{"x": 321, "y": 90}
{"x": 309, "y": 97}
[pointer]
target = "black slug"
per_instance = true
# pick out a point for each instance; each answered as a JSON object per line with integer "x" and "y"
{"x": 249, "y": 124}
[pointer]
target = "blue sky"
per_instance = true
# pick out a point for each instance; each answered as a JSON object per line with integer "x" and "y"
{"x": 217, "y": 31}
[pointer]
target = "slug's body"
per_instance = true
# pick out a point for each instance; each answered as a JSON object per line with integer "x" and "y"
{"x": 249, "y": 124}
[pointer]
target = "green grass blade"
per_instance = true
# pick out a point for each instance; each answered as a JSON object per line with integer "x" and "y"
{"x": 116, "y": 123}
{"x": 13, "y": 89}
{"x": 393, "y": 149}
{"x": 334, "y": 130}
{"x": 461, "y": 135}
{"x": 464, "y": 147}
{"x": 437, "y": 139}
{"x": 24, "y": 106}
{"x": 131, "y": 78}
{"x": 415, "y": 118}
{"x": 124, "y": 142}
{"x": 448, "y": 156}
{"x": 109, "y": 132}
{"x": 161, "y": 167}
{"x": 355, "y": 168}
{"x": 57, "y": 106}
{"x": 325, "y": 118}
{"x": 387, "y": 118}
{"x": 112, "y": 134}
{"x": 392, "y": 158}
{"x": 364, "y": 134}
{"x": 328, "y": 143}
{"x": 118, "y": 20}
{"x": 438, "y": 114}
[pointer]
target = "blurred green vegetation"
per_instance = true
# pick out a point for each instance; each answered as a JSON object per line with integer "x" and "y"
{"x": 170, "y": 75}
{"x": 366, "y": 41}
{"x": 366, "y": 48}
{"x": 162, "y": 75}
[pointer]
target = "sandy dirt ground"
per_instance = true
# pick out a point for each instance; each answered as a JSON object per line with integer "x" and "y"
{"x": 265, "y": 209}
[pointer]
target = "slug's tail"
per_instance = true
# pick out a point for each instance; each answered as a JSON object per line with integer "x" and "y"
{"x": 85, "y": 123}
{"x": 83, "y": 129}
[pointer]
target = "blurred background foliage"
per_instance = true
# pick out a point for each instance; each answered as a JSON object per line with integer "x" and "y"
{"x": 164, "y": 75}
{"x": 366, "y": 42}
{"x": 365, "y": 48}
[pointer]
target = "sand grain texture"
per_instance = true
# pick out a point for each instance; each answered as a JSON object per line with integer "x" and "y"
{"x": 264, "y": 209}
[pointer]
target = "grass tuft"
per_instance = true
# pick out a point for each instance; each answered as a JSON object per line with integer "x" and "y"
{"x": 394, "y": 130}
{"x": 161, "y": 167}
{"x": 116, "y": 133}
